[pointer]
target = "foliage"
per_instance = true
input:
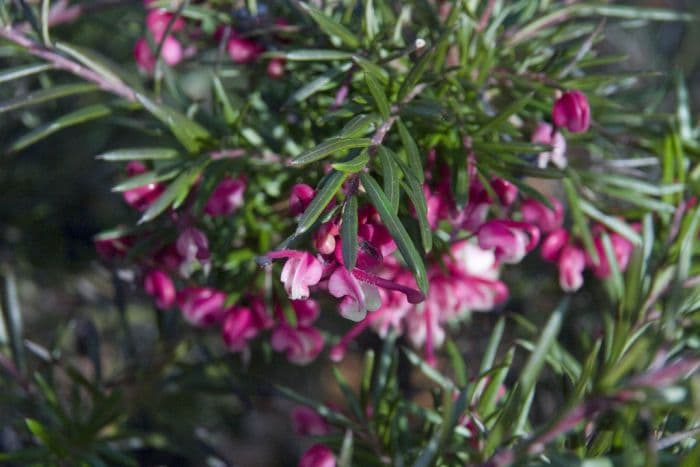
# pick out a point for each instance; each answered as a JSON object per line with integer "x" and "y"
{"x": 415, "y": 119}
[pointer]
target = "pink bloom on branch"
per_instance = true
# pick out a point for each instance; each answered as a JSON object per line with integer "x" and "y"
{"x": 307, "y": 422}
{"x": 238, "y": 328}
{"x": 306, "y": 311}
{"x": 242, "y": 50}
{"x": 157, "y": 23}
{"x": 300, "y": 197}
{"x": 201, "y": 306}
{"x": 171, "y": 52}
{"x": 301, "y": 344}
{"x": 553, "y": 244}
{"x": 506, "y": 191}
{"x": 572, "y": 111}
{"x": 572, "y": 262}
{"x": 317, "y": 455}
{"x": 622, "y": 250}
{"x": 141, "y": 197}
{"x": 193, "y": 246}
{"x": 545, "y": 134}
{"x": 275, "y": 68}
{"x": 227, "y": 197}
{"x": 159, "y": 285}
{"x": 301, "y": 271}
{"x": 357, "y": 297}
{"x": 543, "y": 217}
{"x": 510, "y": 240}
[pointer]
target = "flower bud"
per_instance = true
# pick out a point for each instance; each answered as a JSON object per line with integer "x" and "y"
{"x": 572, "y": 262}
{"x": 159, "y": 285}
{"x": 553, "y": 244}
{"x": 317, "y": 455}
{"x": 572, "y": 111}
{"x": 275, "y": 68}
{"x": 543, "y": 217}
{"x": 506, "y": 191}
{"x": 201, "y": 306}
{"x": 238, "y": 328}
{"x": 227, "y": 197}
{"x": 307, "y": 422}
{"x": 242, "y": 50}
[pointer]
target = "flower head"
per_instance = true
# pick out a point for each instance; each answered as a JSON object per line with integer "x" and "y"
{"x": 317, "y": 455}
{"x": 159, "y": 285}
{"x": 227, "y": 197}
{"x": 572, "y": 262}
{"x": 201, "y": 306}
{"x": 301, "y": 271}
{"x": 545, "y": 134}
{"x": 357, "y": 297}
{"x": 572, "y": 111}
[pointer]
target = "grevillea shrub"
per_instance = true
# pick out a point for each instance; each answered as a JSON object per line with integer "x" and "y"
{"x": 466, "y": 200}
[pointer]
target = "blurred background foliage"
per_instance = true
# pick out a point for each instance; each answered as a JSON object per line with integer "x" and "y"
{"x": 56, "y": 197}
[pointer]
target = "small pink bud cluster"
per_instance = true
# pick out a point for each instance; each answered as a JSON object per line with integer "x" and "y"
{"x": 158, "y": 35}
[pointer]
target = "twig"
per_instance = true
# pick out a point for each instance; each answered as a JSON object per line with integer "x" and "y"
{"x": 63, "y": 63}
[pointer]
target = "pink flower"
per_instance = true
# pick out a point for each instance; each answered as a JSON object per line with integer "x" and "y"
{"x": 301, "y": 271}
{"x": 141, "y": 197}
{"x": 307, "y": 311}
{"x": 506, "y": 191}
{"x": 317, "y": 455}
{"x": 238, "y": 328}
{"x": 171, "y": 52}
{"x": 622, "y": 249}
{"x": 301, "y": 344}
{"x": 299, "y": 198}
{"x": 157, "y": 23}
{"x": 275, "y": 68}
{"x": 572, "y": 262}
{"x": 307, "y": 422}
{"x": 545, "y": 134}
{"x": 159, "y": 285}
{"x": 193, "y": 247}
{"x": 242, "y": 50}
{"x": 357, "y": 297}
{"x": 510, "y": 240}
{"x": 110, "y": 248}
{"x": 227, "y": 197}
{"x": 541, "y": 216}
{"x": 325, "y": 238}
{"x": 553, "y": 244}
{"x": 201, "y": 306}
{"x": 572, "y": 111}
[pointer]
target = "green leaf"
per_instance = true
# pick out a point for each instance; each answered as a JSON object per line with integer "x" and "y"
{"x": 579, "y": 219}
{"x": 332, "y": 27}
{"x": 138, "y": 154}
{"x": 146, "y": 178}
{"x": 348, "y": 233}
{"x": 318, "y": 84}
{"x": 189, "y": 133}
{"x": 48, "y": 94}
{"x": 502, "y": 117}
{"x": 82, "y": 115}
{"x": 328, "y": 147}
{"x": 376, "y": 71}
{"x": 314, "y": 55}
{"x": 345, "y": 459}
{"x": 535, "y": 362}
{"x": 358, "y": 126}
{"x": 324, "y": 194}
{"x": 390, "y": 177}
{"x": 24, "y": 71}
{"x": 352, "y": 164}
{"x": 175, "y": 194}
{"x": 414, "y": 160}
{"x": 415, "y": 75}
{"x": 378, "y": 95}
{"x": 398, "y": 231}
{"x": 428, "y": 370}
{"x": 92, "y": 60}
{"x": 415, "y": 194}
{"x": 611, "y": 222}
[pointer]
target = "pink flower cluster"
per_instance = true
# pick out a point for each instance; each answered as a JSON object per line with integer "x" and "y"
{"x": 160, "y": 33}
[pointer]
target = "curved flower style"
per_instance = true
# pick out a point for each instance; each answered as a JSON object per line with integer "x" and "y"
{"x": 572, "y": 111}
